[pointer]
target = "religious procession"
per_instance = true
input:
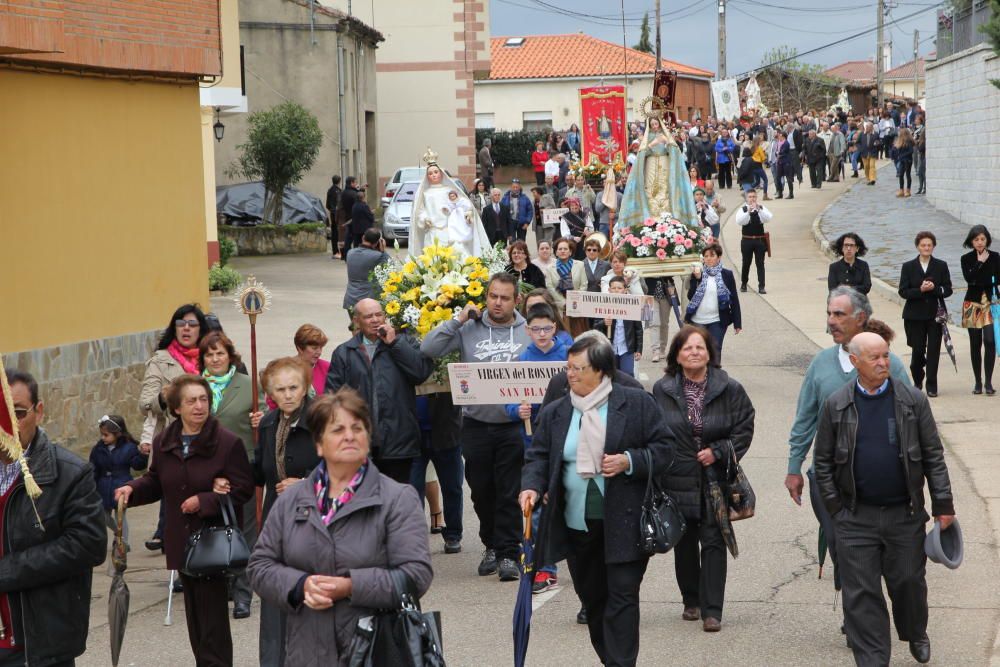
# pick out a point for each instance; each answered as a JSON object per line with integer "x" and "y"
{"x": 518, "y": 412}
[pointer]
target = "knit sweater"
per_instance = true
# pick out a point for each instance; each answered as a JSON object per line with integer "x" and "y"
{"x": 823, "y": 377}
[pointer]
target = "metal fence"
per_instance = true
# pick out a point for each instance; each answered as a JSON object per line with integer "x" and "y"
{"x": 958, "y": 29}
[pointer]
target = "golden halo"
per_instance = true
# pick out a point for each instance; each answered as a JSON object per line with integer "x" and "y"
{"x": 652, "y": 107}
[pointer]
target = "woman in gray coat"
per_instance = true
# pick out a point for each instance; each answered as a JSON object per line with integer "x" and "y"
{"x": 376, "y": 524}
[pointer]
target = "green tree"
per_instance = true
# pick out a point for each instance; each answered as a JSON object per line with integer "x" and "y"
{"x": 644, "y": 45}
{"x": 282, "y": 145}
{"x": 789, "y": 84}
{"x": 992, "y": 31}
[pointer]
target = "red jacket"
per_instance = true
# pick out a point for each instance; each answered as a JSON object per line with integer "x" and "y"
{"x": 538, "y": 160}
{"x": 215, "y": 452}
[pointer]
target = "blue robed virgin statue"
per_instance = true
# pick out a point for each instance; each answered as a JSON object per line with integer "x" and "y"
{"x": 658, "y": 182}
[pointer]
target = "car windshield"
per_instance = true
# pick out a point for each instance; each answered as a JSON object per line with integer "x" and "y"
{"x": 406, "y": 192}
{"x": 409, "y": 174}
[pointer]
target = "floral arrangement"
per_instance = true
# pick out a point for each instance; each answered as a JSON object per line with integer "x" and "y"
{"x": 663, "y": 238}
{"x": 595, "y": 169}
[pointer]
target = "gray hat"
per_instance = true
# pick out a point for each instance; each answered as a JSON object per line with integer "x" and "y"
{"x": 945, "y": 547}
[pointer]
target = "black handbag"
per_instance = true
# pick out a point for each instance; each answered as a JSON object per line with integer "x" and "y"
{"x": 661, "y": 524}
{"x": 402, "y": 637}
{"x": 217, "y": 550}
{"x": 740, "y": 496}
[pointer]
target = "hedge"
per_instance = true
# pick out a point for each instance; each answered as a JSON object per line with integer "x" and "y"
{"x": 510, "y": 147}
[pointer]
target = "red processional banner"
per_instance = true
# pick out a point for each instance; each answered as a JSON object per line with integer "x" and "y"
{"x": 603, "y": 128}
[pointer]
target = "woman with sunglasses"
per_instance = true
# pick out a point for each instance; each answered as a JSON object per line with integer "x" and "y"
{"x": 176, "y": 355}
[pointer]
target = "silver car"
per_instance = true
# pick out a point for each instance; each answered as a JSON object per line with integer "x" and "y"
{"x": 402, "y": 175}
{"x": 396, "y": 216}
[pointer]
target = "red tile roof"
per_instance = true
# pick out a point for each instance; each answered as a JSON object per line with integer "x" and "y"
{"x": 854, "y": 70}
{"x": 576, "y": 55}
{"x": 905, "y": 71}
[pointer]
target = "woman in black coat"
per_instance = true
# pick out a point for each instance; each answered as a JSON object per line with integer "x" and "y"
{"x": 924, "y": 281}
{"x": 591, "y": 515}
{"x": 981, "y": 269}
{"x": 711, "y": 418}
{"x": 850, "y": 269}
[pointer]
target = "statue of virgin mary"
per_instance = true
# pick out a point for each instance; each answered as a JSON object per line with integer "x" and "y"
{"x": 438, "y": 217}
{"x": 658, "y": 182}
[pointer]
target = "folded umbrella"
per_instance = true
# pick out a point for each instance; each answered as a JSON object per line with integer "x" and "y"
{"x": 522, "y": 608}
{"x": 942, "y": 319}
{"x": 118, "y": 597}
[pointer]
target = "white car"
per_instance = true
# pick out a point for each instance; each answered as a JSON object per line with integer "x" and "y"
{"x": 396, "y": 216}
{"x": 402, "y": 175}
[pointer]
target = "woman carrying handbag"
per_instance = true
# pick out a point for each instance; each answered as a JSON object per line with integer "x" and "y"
{"x": 981, "y": 269}
{"x": 712, "y": 419}
{"x": 195, "y": 460}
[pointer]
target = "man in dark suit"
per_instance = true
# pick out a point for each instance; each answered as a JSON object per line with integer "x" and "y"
{"x": 362, "y": 219}
{"x": 347, "y": 199}
{"x": 783, "y": 166}
{"x": 924, "y": 281}
{"x": 815, "y": 152}
{"x": 868, "y": 144}
{"x": 486, "y": 163}
{"x": 876, "y": 443}
{"x": 493, "y": 218}
{"x": 333, "y": 205}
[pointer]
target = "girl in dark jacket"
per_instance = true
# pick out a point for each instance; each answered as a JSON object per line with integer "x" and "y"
{"x": 981, "y": 268}
{"x": 902, "y": 154}
{"x": 712, "y": 419}
{"x": 113, "y": 458}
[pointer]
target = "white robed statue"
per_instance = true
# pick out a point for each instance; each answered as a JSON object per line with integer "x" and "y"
{"x": 444, "y": 214}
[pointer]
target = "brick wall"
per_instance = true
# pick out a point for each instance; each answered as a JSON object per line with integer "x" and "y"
{"x": 963, "y": 157}
{"x": 175, "y": 37}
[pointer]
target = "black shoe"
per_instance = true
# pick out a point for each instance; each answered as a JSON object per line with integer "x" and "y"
{"x": 761, "y": 290}
{"x": 791, "y": 196}
{"x": 743, "y": 288}
{"x": 931, "y": 394}
{"x": 507, "y": 570}
{"x": 780, "y": 196}
{"x": 178, "y": 586}
{"x": 155, "y": 544}
{"x": 452, "y": 546}
{"x": 921, "y": 650}
{"x": 241, "y": 610}
{"x": 488, "y": 565}
{"x": 990, "y": 390}
{"x": 978, "y": 389}
{"x": 581, "y": 616}
{"x": 854, "y": 175}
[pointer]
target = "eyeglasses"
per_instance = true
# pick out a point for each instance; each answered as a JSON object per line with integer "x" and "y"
{"x": 592, "y": 249}
{"x": 192, "y": 324}
{"x": 849, "y": 245}
{"x": 570, "y": 368}
{"x": 21, "y": 413}
{"x": 541, "y": 330}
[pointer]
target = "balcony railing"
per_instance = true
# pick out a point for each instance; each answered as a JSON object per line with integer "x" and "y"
{"x": 958, "y": 28}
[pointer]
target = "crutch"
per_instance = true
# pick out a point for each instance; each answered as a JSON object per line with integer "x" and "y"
{"x": 169, "y": 620}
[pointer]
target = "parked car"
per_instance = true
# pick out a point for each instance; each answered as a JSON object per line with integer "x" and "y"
{"x": 396, "y": 216}
{"x": 405, "y": 175}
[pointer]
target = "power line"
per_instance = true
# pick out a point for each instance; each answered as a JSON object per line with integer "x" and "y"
{"x": 797, "y": 29}
{"x": 834, "y": 43}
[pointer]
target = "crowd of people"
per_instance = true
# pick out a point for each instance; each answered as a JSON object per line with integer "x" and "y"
{"x": 347, "y": 451}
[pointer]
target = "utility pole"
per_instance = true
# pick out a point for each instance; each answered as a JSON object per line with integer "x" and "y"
{"x": 879, "y": 60}
{"x": 916, "y": 73}
{"x": 722, "y": 39}
{"x": 659, "y": 61}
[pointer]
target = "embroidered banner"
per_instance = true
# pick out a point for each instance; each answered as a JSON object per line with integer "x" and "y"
{"x": 727, "y": 99}
{"x": 602, "y": 124}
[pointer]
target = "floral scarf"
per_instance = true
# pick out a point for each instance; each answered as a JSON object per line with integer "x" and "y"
{"x": 326, "y": 505}
{"x": 218, "y": 384}
{"x": 714, "y": 272}
{"x": 187, "y": 357}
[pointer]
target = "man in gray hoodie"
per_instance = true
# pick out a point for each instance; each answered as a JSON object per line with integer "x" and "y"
{"x": 491, "y": 443}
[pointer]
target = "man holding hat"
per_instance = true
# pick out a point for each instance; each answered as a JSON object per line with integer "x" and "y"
{"x": 876, "y": 443}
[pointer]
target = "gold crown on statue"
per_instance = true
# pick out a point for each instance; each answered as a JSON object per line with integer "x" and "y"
{"x": 430, "y": 157}
{"x": 652, "y": 107}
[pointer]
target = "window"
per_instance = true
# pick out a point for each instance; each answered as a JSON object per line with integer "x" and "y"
{"x": 514, "y": 41}
{"x": 485, "y": 121}
{"x": 536, "y": 121}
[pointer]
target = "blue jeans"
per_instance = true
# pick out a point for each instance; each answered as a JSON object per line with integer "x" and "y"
{"x": 626, "y": 363}
{"x": 718, "y": 334}
{"x": 855, "y": 156}
{"x": 760, "y": 175}
{"x": 451, "y": 471}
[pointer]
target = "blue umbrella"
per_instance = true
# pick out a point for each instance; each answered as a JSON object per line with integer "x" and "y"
{"x": 522, "y": 609}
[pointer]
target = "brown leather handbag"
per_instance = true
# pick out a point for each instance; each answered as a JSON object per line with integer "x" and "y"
{"x": 740, "y": 496}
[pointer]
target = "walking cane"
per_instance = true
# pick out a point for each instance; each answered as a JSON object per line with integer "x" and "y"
{"x": 252, "y": 299}
{"x": 169, "y": 620}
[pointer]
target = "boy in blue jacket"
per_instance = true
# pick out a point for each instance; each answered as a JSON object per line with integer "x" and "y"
{"x": 544, "y": 347}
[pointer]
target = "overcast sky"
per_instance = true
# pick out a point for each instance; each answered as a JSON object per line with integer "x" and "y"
{"x": 689, "y": 27}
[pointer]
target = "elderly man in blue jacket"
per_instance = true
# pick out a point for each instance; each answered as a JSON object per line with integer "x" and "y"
{"x": 521, "y": 212}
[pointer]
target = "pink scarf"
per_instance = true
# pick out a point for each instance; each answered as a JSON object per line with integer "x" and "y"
{"x": 187, "y": 357}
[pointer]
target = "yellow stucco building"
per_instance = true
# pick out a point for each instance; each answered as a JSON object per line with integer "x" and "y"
{"x": 105, "y": 213}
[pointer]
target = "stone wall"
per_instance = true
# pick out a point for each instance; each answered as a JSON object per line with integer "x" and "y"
{"x": 963, "y": 156}
{"x": 258, "y": 241}
{"x": 81, "y": 382}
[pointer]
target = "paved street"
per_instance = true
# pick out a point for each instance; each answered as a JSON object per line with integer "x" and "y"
{"x": 777, "y": 611}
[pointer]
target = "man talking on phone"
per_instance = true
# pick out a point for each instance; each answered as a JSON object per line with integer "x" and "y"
{"x": 384, "y": 367}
